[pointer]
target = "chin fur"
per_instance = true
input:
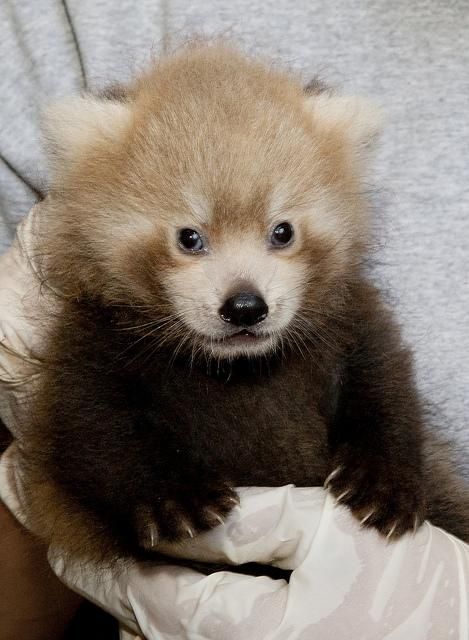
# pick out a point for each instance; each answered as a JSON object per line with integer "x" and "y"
{"x": 226, "y": 349}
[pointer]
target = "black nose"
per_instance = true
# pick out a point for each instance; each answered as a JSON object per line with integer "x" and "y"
{"x": 244, "y": 310}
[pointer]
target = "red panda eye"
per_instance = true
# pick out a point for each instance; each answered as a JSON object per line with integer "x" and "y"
{"x": 190, "y": 240}
{"x": 282, "y": 234}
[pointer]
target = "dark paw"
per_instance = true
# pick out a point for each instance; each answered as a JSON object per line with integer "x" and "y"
{"x": 183, "y": 514}
{"x": 379, "y": 494}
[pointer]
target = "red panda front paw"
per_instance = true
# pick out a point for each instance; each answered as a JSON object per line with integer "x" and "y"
{"x": 379, "y": 494}
{"x": 176, "y": 517}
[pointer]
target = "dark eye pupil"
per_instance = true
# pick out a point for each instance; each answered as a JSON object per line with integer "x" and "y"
{"x": 190, "y": 240}
{"x": 282, "y": 234}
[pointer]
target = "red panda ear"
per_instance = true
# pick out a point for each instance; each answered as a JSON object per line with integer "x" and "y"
{"x": 358, "y": 120}
{"x": 73, "y": 125}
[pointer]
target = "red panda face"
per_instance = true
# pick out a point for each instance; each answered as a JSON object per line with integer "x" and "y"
{"x": 216, "y": 195}
{"x": 237, "y": 292}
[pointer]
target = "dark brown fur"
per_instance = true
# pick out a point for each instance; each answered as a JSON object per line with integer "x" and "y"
{"x": 171, "y": 439}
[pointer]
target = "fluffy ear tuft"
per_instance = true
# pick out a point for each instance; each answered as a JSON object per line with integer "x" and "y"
{"x": 72, "y": 125}
{"x": 358, "y": 119}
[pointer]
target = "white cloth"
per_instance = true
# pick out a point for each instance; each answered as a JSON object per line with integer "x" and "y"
{"x": 346, "y": 582}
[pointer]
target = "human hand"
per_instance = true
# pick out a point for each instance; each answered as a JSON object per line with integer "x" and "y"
{"x": 346, "y": 581}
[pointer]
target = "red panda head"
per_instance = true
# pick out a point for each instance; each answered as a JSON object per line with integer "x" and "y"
{"x": 215, "y": 194}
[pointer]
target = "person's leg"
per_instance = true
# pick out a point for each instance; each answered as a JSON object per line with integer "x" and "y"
{"x": 34, "y": 604}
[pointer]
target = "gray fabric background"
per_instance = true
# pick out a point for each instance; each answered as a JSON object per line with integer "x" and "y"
{"x": 412, "y": 57}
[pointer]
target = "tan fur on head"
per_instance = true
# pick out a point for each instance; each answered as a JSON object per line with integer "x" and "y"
{"x": 355, "y": 118}
{"x": 73, "y": 126}
{"x": 210, "y": 140}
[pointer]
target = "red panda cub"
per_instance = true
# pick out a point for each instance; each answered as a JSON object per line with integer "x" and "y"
{"x": 205, "y": 231}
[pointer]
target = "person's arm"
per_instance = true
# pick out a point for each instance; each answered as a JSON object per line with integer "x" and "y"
{"x": 34, "y": 604}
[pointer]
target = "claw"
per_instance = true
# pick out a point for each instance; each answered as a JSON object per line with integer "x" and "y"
{"x": 190, "y": 533}
{"x": 332, "y": 475}
{"x": 153, "y": 535}
{"x": 367, "y": 517}
{"x": 216, "y": 516}
{"x": 342, "y": 495}
{"x": 416, "y": 525}
{"x": 391, "y": 531}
